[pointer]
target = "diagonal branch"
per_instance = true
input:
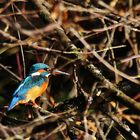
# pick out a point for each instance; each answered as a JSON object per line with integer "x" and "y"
{"x": 126, "y": 100}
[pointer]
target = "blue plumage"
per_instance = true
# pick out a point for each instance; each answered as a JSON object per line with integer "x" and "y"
{"x": 28, "y": 83}
{"x": 33, "y": 85}
{"x": 37, "y": 67}
{"x": 23, "y": 88}
{"x": 13, "y": 103}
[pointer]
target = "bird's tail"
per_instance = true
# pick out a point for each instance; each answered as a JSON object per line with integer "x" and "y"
{"x": 13, "y": 103}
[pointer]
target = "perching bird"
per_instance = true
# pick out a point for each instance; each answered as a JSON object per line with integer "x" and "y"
{"x": 33, "y": 85}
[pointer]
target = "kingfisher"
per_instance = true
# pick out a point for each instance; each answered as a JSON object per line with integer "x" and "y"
{"x": 34, "y": 85}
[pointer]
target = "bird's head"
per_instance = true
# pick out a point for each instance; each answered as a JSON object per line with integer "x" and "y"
{"x": 45, "y": 70}
{"x": 38, "y": 66}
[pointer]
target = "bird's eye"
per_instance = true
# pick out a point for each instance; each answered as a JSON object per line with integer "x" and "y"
{"x": 49, "y": 70}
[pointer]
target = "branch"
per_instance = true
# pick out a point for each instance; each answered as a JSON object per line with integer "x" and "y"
{"x": 126, "y": 100}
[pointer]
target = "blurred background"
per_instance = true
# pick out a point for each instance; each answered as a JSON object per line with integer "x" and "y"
{"x": 111, "y": 28}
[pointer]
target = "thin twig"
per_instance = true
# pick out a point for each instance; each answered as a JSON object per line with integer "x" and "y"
{"x": 67, "y": 42}
{"x": 13, "y": 74}
{"x": 21, "y": 47}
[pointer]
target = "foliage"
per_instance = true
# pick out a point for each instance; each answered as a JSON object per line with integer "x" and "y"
{"x": 97, "y": 42}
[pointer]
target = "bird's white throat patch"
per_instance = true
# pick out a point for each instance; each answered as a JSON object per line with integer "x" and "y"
{"x": 35, "y": 74}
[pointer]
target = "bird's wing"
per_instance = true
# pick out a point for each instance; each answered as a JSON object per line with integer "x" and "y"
{"x": 19, "y": 87}
{"x": 24, "y": 87}
{"x": 27, "y": 84}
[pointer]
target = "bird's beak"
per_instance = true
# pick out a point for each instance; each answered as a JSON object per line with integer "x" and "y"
{"x": 58, "y": 72}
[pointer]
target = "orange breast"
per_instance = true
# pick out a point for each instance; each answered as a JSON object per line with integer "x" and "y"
{"x": 35, "y": 92}
{"x": 44, "y": 86}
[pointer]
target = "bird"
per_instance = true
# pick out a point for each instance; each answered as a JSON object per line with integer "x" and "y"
{"x": 34, "y": 85}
